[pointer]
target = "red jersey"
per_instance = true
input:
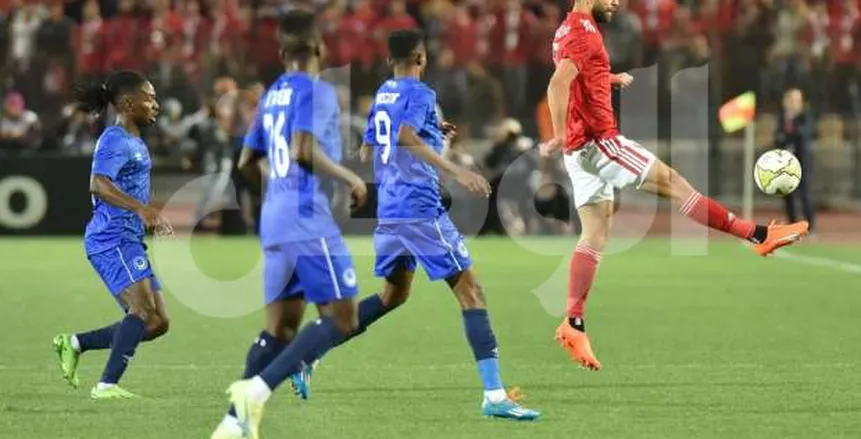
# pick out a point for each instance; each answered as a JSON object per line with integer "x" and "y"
{"x": 590, "y": 107}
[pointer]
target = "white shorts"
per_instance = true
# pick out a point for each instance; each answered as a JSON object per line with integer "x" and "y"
{"x": 601, "y": 165}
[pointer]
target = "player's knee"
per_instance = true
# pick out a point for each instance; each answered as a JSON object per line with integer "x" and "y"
{"x": 283, "y": 334}
{"x": 678, "y": 186}
{"x": 347, "y": 324}
{"x": 471, "y": 295}
{"x": 596, "y": 240}
{"x": 394, "y": 297}
{"x": 145, "y": 312}
{"x": 158, "y": 327}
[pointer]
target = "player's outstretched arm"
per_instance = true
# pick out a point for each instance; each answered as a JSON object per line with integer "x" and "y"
{"x": 102, "y": 187}
{"x": 410, "y": 140}
{"x": 309, "y": 154}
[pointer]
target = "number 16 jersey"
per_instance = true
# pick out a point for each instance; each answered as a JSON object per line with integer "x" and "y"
{"x": 294, "y": 208}
{"x": 408, "y": 187}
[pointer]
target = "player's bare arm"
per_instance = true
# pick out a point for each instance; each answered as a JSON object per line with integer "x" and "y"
{"x": 102, "y": 187}
{"x": 410, "y": 140}
{"x": 558, "y": 98}
{"x": 307, "y": 152}
{"x": 252, "y": 165}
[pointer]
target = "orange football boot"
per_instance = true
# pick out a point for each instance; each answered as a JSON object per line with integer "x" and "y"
{"x": 781, "y": 235}
{"x": 578, "y": 346}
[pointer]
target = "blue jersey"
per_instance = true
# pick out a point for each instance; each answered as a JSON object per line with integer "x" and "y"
{"x": 408, "y": 187}
{"x": 294, "y": 208}
{"x": 124, "y": 159}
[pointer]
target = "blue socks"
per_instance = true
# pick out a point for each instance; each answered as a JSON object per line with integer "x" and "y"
{"x": 483, "y": 344}
{"x": 127, "y": 336}
{"x": 370, "y": 310}
{"x": 312, "y": 342}
{"x": 97, "y": 339}
{"x": 262, "y": 352}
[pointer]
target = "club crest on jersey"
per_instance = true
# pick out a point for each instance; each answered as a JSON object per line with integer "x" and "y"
{"x": 139, "y": 263}
{"x": 588, "y": 26}
{"x": 349, "y": 277}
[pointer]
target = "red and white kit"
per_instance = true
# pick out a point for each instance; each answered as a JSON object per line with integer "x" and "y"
{"x": 597, "y": 157}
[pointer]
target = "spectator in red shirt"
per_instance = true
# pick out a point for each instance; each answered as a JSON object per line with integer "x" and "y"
{"x": 355, "y": 28}
{"x": 461, "y": 35}
{"x": 510, "y": 28}
{"x": 123, "y": 36}
{"x": 161, "y": 32}
{"x": 329, "y": 21}
{"x": 541, "y": 65}
{"x": 845, "y": 34}
{"x": 656, "y": 17}
{"x": 397, "y": 18}
{"x": 195, "y": 30}
{"x": 358, "y": 47}
{"x": 89, "y": 43}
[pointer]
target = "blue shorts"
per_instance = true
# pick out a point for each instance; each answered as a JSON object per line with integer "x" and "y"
{"x": 436, "y": 243}
{"x": 123, "y": 266}
{"x": 322, "y": 269}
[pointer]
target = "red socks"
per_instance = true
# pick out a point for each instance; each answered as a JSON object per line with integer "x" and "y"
{"x": 581, "y": 274}
{"x": 711, "y": 214}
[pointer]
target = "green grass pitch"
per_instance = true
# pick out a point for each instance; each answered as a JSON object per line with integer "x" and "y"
{"x": 727, "y": 345}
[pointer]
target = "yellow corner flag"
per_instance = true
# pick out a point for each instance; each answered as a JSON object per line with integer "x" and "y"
{"x": 738, "y": 113}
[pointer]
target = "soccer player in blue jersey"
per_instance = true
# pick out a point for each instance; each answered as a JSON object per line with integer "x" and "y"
{"x": 406, "y": 139}
{"x": 306, "y": 258}
{"x": 114, "y": 238}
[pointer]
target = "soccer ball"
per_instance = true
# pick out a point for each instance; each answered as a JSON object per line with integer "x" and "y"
{"x": 777, "y": 172}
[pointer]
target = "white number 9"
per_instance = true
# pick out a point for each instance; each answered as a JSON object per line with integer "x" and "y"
{"x": 279, "y": 149}
{"x": 383, "y": 124}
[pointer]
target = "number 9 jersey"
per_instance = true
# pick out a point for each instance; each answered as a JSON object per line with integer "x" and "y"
{"x": 294, "y": 208}
{"x": 408, "y": 188}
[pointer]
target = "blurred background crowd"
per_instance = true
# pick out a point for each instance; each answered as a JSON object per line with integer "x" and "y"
{"x": 490, "y": 61}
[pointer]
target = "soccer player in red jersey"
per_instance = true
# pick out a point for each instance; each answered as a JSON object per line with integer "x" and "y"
{"x": 598, "y": 158}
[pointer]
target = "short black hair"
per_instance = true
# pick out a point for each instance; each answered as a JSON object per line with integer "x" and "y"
{"x": 297, "y": 33}
{"x": 404, "y": 42}
{"x": 95, "y": 98}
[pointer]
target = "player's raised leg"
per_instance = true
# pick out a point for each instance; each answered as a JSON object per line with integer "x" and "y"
{"x": 666, "y": 182}
{"x": 596, "y": 220}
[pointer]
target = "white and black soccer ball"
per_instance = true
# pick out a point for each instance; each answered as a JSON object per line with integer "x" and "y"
{"x": 777, "y": 172}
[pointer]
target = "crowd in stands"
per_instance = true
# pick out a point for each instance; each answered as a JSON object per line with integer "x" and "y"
{"x": 490, "y": 61}
{"x": 490, "y": 58}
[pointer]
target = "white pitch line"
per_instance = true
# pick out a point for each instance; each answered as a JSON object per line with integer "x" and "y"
{"x": 819, "y": 261}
